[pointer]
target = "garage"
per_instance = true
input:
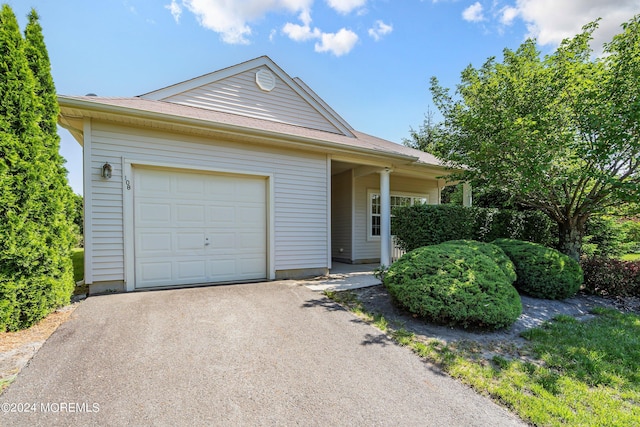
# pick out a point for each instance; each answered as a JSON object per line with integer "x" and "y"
{"x": 243, "y": 174}
{"x": 197, "y": 227}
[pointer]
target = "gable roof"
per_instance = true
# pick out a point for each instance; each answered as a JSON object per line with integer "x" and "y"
{"x": 241, "y": 89}
{"x": 137, "y": 110}
{"x": 181, "y": 108}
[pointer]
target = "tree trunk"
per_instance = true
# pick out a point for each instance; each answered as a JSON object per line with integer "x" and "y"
{"x": 570, "y": 236}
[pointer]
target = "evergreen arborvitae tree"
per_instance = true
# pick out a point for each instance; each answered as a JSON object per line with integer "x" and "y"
{"x": 35, "y": 267}
{"x": 58, "y": 207}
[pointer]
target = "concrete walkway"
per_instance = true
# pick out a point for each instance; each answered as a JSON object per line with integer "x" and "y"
{"x": 343, "y": 277}
{"x": 257, "y": 354}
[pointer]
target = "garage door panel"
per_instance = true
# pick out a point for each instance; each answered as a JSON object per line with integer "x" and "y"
{"x": 155, "y": 272}
{"x": 221, "y": 215}
{"x": 190, "y": 270}
{"x": 250, "y": 191}
{"x": 223, "y": 267}
{"x": 251, "y": 216}
{"x": 152, "y": 242}
{"x": 154, "y": 213}
{"x": 222, "y": 241}
{"x": 190, "y": 242}
{"x": 221, "y": 190}
{"x": 198, "y": 228}
{"x": 190, "y": 215}
{"x": 190, "y": 184}
{"x": 249, "y": 241}
{"x": 154, "y": 182}
{"x": 250, "y": 266}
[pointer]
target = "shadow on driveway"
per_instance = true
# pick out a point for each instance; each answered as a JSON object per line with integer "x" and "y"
{"x": 255, "y": 354}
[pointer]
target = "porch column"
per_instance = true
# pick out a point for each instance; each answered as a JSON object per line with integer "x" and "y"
{"x": 385, "y": 218}
{"x": 467, "y": 196}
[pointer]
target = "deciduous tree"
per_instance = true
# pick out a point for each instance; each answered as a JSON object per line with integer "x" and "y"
{"x": 560, "y": 133}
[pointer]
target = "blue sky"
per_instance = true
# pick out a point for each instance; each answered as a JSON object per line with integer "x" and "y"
{"x": 371, "y": 60}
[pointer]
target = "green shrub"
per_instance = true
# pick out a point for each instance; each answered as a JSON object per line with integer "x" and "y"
{"x": 531, "y": 226}
{"x": 454, "y": 284}
{"x": 425, "y": 225}
{"x": 492, "y": 251}
{"x": 611, "y": 277}
{"x": 542, "y": 272}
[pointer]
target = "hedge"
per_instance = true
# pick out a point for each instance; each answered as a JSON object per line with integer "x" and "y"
{"x": 454, "y": 284}
{"x": 611, "y": 277}
{"x": 424, "y": 225}
{"x": 542, "y": 272}
{"x": 492, "y": 251}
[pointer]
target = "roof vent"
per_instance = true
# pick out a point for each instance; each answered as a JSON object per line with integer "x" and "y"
{"x": 265, "y": 80}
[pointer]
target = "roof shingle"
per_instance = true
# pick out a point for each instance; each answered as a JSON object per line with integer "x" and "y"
{"x": 362, "y": 140}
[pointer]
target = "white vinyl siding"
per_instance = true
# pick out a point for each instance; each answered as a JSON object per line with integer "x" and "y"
{"x": 366, "y": 248}
{"x": 341, "y": 212}
{"x": 239, "y": 94}
{"x": 299, "y": 197}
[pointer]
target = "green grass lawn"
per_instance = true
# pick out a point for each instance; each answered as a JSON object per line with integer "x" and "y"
{"x": 630, "y": 257}
{"x": 77, "y": 257}
{"x": 575, "y": 373}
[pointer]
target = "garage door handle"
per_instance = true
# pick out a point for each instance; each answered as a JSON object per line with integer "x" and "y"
{"x": 206, "y": 242}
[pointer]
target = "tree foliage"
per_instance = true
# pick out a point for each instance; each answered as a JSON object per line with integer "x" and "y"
{"x": 560, "y": 133}
{"x": 426, "y": 137}
{"x": 35, "y": 232}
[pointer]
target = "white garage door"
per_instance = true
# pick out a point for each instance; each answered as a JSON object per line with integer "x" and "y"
{"x": 195, "y": 228}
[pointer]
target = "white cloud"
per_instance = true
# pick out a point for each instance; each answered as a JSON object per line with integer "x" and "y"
{"x": 303, "y": 32}
{"x": 473, "y": 13}
{"x": 345, "y": 6}
{"x": 300, "y": 33}
{"x": 231, "y": 18}
{"x": 380, "y": 29}
{"x": 175, "y": 10}
{"x": 339, "y": 43}
{"x": 551, "y": 21}
{"x": 305, "y": 17}
{"x": 508, "y": 14}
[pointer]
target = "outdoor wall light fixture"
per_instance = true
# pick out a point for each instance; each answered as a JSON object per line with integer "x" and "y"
{"x": 106, "y": 171}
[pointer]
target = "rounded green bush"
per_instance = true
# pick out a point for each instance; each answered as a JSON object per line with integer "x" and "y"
{"x": 454, "y": 284}
{"x": 492, "y": 251}
{"x": 542, "y": 272}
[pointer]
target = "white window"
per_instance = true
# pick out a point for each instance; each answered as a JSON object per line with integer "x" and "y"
{"x": 397, "y": 200}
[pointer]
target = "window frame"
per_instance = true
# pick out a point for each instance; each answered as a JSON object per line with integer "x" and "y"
{"x": 373, "y": 192}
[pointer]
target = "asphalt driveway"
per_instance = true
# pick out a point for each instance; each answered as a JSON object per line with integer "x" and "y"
{"x": 256, "y": 354}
